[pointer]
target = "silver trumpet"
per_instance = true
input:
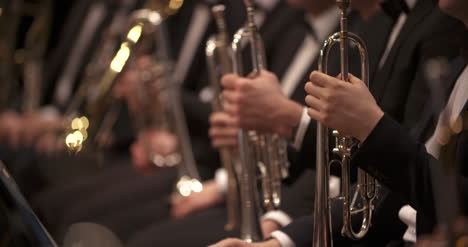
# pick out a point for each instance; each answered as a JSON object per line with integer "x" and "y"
{"x": 367, "y": 186}
{"x": 219, "y": 59}
{"x": 263, "y": 152}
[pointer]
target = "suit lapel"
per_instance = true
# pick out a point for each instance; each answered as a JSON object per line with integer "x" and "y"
{"x": 416, "y": 16}
{"x": 276, "y": 22}
{"x": 376, "y": 34}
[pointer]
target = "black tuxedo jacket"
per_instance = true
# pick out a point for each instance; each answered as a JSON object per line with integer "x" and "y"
{"x": 398, "y": 160}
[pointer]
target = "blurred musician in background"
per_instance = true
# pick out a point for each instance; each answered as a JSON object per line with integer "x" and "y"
{"x": 35, "y": 112}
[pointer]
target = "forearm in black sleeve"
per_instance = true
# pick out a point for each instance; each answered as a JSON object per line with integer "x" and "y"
{"x": 300, "y": 231}
{"x": 400, "y": 162}
{"x": 298, "y": 198}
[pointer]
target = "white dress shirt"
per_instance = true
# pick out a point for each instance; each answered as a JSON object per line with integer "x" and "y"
{"x": 264, "y": 7}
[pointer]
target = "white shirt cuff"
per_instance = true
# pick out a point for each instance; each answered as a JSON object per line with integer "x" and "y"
{"x": 407, "y": 214}
{"x": 283, "y": 239}
{"x": 221, "y": 180}
{"x": 278, "y": 216}
{"x": 301, "y": 130}
{"x": 335, "y": 185}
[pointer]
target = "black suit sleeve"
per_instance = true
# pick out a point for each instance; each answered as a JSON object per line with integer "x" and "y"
{"x": 298, "y": 198}
{"x": 300, "y": 231}
{"x": 400, "y": 162}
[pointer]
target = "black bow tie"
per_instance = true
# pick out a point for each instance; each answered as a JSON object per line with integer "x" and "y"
{"x": 394, "y": 8}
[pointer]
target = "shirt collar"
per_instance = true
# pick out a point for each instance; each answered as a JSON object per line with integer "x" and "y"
{"x": 411, "y": 4}
{"x": 267, "y": 5}
{"x": 324, "y": 24}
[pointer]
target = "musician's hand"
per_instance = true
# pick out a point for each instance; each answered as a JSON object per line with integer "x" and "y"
{"x": 346, "y": 107}
{"x": 10, "y": 128}
{"x": 208, "y": 197}
{"x": 259, "y": 104}
{"x": 50, "y": 143}
{"x": 234, "y": 242}
{"x": 223, "y": 130}
{"x": 269, "y": 226}
{"x": 151, "y": 142}
{"x": 37, "y": 124}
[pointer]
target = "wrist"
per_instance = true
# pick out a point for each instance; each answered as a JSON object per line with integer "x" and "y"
{"x": 373, "y": 119}
{"x": 212, "y": 187}
{"x": 288, "y": 118}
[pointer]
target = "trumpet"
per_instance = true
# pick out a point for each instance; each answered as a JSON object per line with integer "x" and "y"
{"x": 263, "y": 152}
{"x": 219, "y": 60}
{"x": 367, "y": 186}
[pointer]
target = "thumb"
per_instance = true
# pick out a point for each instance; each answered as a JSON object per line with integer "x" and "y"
{"x": 356, "y": 81}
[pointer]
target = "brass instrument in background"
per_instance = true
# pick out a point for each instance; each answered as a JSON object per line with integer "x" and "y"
{"x": 85, "y": 100}
{"x": 265, "y": 153}
{"x": 93, "y": 98}
{"x": 11, "y": 12}
{"x": 35, "y": 47}
{"x": 367, "y": 186}
{"x": 147, "y": 32}
{"x": 21, "y": 60}
{"x": 219, "y": 60}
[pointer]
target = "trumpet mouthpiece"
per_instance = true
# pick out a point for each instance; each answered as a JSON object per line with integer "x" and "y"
{"x": 343, "y": 4}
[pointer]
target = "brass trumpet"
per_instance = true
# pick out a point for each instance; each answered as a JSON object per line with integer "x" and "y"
{"x": 367, "y": 186}
{"x": 167, "y": 113}
{"x": 219, "y": 60}
{"x": 263, "y": 152}
{"x": 23, "y": 64}
{"x": 94, "y": 94}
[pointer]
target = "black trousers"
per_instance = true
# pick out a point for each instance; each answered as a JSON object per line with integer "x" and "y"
{"x": 198, "y": 229}
{"x": 117, "y": 197}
